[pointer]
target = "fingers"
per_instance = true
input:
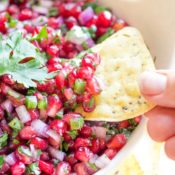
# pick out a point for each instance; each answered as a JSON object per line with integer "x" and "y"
{"x": 169, "y": 148}
{"x": 161, "y": 123}
{"x": 159, "y": 87}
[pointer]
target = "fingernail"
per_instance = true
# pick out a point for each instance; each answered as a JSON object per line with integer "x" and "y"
{"x": 152, "y": 83}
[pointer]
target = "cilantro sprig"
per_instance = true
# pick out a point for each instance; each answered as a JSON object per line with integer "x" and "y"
{"x": 22, "y": 60}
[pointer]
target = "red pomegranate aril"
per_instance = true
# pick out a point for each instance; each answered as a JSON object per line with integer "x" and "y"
{"x": 25, "y": 14}
{"x": 93, "y": 86}
{"x": 72, "y": 77}
{"x": 71, "y": 22}
{"x": 68, "y": 93}
{"x": 46, "y": 167}
{"x": 60, "y": 80}
{"x": 88, "y": 104}
{"x": 53, "y": 22}
{"x": 95, "y": 146}
{"x": 39, "y": 143}
{"x": 13, "y": 9}
{"x": 4, "y": 168}
{"x": 60, "y": 126}
{"x": 53, "y": 50}
{"x": 67, "y": 136}
{"x": 85, "y": 73}
{"x": 18, "y": 168}
{"x": 81, "y": 169}
{"x": 123, "y": 124}
{"x": 54, "y": 138}
{"x": 82, "y": 142}
{"x": 110, "y": 153}
{"x": 54, "y": 105}
{"x": 34, "y": 114}
{"x": 27, "y": 133}
{"x": 86, "y": 131}
{"x": 104, "y": 19}
{"x": 3, "y": 20}
{"x": 54, "y": 60}
{"x": 7, "y": 79}
{"x": 44, "y": 156}
{"x": 117, "y": 141}
{"x": 63, "y": 168}
{"x": 101, "y": 30}
{"x": 102, "y": 143}
{"x": 71, "y": 159}
{"x": 137, "y": 119}
{"x": 54, "y": 67}
{"x": 83, "y": 154}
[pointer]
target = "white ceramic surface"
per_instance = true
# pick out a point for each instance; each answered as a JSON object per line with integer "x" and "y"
{"x": 156, "y": 21}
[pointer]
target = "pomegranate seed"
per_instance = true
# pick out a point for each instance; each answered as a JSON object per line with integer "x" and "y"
{"x": 34, "y": 114}
{"x": 13, "y": 9}
{"x": 85, "y": 73}
{"x": 3, "y": 20}
{"x": 72, "y": 77}
{"x": 137, "y": 119}
{"x": 95, "y": 147}
{"x": 63, "y": 168}
{"x": 54, "y": 105}
{"x": 86, "y": 131}
{"x": 54, "y": 67}
{"x": 93, "y": 86}
{"x": 83, "y": 154}
{"x": 25, "y": 14}
{"x": 81, "y": 169}
{"x": 44, "y": 156}
{"x": 117, "y": 141}
{"x": 53, "y": 50}
{"x": 102, "y": 144}
{"x": 100, "y": 31}
{"x": 39, "y": 143}
{"x": 60, "y": 80}
{"x": 18, "y": 168}
{"x": 60, "y": 126}
{"x": 111, "y": 153}
{"x": 27, "y": 133}
{"x": 71, "y": 159}
{"x": 82, "y": 142}
{"x": 104, "y": 19}
{"x": 123, "y": 124}
{"x": 71, "y": 22}
{"x": 53, "y": 22}
{"x": 54, "y": 60}
{"x": 88, "y": 103}
{"x": 68, "y": 93}
{"x": 7, "y": 79}
{"x": 46, "y": 167}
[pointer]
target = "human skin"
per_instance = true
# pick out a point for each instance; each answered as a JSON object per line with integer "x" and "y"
{"x": 159, "y": 88}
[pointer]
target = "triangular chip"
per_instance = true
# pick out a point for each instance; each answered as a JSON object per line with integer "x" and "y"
{"x": 124, "y": 56}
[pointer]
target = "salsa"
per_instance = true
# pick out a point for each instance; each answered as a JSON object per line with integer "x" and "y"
{"x": 41, "y": 86}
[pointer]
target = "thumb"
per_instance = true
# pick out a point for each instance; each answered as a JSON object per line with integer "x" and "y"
{"x": 159, "y": 87}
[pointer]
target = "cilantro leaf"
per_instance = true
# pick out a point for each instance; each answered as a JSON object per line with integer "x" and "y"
{"x": 1, "y": 161}
{"x": 22, "y": 61}
{"x": 33, "y": 169}
{"x": 41, "y": 35}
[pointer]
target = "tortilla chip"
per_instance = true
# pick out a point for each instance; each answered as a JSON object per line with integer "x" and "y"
{"x": 124, "y": 56}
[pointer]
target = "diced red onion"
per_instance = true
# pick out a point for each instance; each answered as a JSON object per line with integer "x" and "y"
{"x": 102, "y": 161}
{"x": 86, "y": 15}
{"x": 46, "y": 3}
{"x": 40, "y": 127}
{"x": 55, "y": 153}
{"x": 23, "y": 114}
{"x": 40, "y": 9}
{"x": 7, "y": 105}
{"x": 35, "y": 155}
{"x": 43, "y": 114}
{"x": 11, "y": 158}
{"x": 60, "y": 20}
{"x": 99, "y": 131}
{"x": 90, "y": 42}
{"x": 54, "y": 135}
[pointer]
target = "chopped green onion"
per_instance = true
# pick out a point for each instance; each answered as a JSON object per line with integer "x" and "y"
{"x": 16, "y": 142}
{"x": 31, "y": 91}
{"x": 53, "y": 11}
{"x": 31, "y": 102}
{"x": 76, "y": 123}
{"x": 59, "y": 114}
{"x": 65, "y": 146}
{"x": 42, "y": 104}
{"x": 3, "y": 140}
{"x": 33, "y": 169}
{"x": 73, "y": 134}
{"x": 15, "y": 124}
{"x": 79, "y": 86}
{"x": 1, "y": 161}
{"x": 25, "y": 150}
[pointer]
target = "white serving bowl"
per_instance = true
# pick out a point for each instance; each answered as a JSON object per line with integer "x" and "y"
{"x": 156, "y": 21}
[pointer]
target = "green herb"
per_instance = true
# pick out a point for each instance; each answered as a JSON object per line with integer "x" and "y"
{"x": 15, "y": 133}
{"x": 53, "y": 11}
{"x": 39, "y": 152}
{"x": 3, "y": 140}
{"x": 79, "y": 86}
{"x": 85, "y": 45}
{"x": 59, "y": 114}
{"x": 41, "y": 35}
{"x": 42, "y": 104}
{"x": 31, "y": 102}
{"x": 66, "y": 146}
{"x": 15, "y": 124}
{"x": 90, "y": 4}
{"x": 100, "y": 9}
{"x": 11, "y": 21}
{"x": 33, "y": 169}
{"x": 1, "y": 161}
{"x": 25, "y": 150}
{"x": 76, "y": 123}
{"x": 106, "y": 35}
{"x": 55, "y": 161}
{"x": 73, "y": 134}
{"x": 16, "y": 142}
{"x": 22, "y": 61}
{"x": 93, "y": 166}
{"x": 31, "y": 91}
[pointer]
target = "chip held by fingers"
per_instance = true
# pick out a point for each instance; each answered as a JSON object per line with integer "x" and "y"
{"x": 124, "y": 56}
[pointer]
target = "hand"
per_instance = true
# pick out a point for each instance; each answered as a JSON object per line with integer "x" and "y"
{"x": 159, "y": 88}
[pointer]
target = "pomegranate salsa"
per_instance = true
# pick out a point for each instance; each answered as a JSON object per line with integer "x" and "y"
{"x": 41, "y": 85}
